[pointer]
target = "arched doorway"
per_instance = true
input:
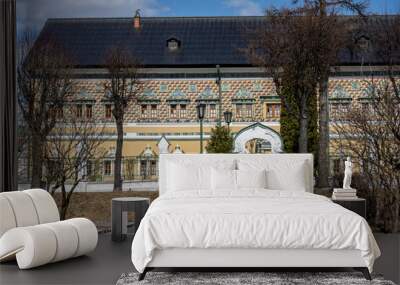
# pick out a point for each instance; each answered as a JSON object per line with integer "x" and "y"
{"x": 258, "y": 138}
{"x": 258, "y": 146}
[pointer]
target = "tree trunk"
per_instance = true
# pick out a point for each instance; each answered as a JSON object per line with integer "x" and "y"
{"x": 66, "y": 198}
{"x": 118, "y": 156}
{"x": 303, "y": 136}
{"x": 37, "y": 162}
{"x": 390, "y": 216}
{"x": 63, "y": 207}
{"x": 323, "y": 144}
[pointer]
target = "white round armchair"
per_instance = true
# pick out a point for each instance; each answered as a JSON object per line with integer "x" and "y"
{"x": 31, "y": 230}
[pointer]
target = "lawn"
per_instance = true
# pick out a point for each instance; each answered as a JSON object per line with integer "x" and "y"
{"x": 96, "y": 206}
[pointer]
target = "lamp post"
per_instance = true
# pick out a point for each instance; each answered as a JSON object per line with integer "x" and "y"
{"x": 228, "y": 117}
{"x": 218, "y": 81}
{"x": 200, "y": 115}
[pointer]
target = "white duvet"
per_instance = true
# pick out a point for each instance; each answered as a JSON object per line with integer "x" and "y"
{"x": 250, "y": 219}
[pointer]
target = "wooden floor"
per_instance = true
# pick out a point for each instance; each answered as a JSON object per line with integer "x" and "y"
{"x": 110, "y": 259}
{"x": 103, "y": 266}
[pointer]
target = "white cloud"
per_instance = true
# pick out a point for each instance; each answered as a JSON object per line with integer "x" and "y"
{"x": 33, "y": 13}
{"x": 245, "y": 7}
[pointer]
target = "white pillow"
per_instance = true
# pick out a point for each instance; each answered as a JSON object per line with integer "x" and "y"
{"x": 290, "y": 174}
{"x": 223, "y": 179}
{"x": 185, "y": 177}
{"x": 291, "y": 177}
{"x": 251, "y": 178}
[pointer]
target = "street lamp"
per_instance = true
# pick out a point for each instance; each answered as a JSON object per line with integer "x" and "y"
{"x": 218, "y": 82}
{"x": 201, "y": 109}
{"x": 228, "y": 117}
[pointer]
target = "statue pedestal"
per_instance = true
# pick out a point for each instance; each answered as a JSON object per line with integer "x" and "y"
{"x": 340, "y": 190}
{"x": 346, "y": 194}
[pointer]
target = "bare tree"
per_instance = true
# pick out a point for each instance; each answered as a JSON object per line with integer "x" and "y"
{"x": 122, "y": 88}
{"x": 43, "y": 76}
{"x": 284, "y": 48}
{"x": 299, "y": 47}
{"x": 333, "y": 36}
{"x": 371, "y": 131}
{"x": 72, "y": 147}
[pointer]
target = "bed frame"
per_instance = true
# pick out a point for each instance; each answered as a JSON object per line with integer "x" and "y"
{"x": 256, "y": 259}
{"x": 242, "y": 259}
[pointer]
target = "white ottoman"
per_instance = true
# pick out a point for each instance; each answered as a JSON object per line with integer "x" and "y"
{"x": 34, "y": 244}
{"x": 37, "y": 245}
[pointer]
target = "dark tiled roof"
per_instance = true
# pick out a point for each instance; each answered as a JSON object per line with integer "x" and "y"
{"x": 205, "y": 41}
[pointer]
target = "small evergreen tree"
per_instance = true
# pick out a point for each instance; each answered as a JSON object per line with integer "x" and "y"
{"x": 220, "y": 141}
{"x": 290, "y": 125}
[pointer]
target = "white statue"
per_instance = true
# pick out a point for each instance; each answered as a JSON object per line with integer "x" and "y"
{"x": 348, "y": 171}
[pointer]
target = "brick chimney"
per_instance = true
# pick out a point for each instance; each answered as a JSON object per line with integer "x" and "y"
{"x": 136, "y": 20}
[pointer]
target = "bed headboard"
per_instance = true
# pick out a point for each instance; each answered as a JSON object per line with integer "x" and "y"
{"x": 209, "y": 159}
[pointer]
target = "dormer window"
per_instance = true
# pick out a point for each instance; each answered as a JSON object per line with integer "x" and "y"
{"x": 173, "y": 44}
{"x": 363, "y": 43}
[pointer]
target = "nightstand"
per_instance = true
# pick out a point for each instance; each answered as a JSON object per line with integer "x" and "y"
{"x": 119, "y": 215}
{"x": 358, "y": 205}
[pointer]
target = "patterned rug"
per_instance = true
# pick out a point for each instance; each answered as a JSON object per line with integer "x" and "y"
{"x": 244, "y": 278}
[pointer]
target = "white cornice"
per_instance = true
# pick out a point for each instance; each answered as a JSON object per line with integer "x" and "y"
{"x": 186, "y": 124}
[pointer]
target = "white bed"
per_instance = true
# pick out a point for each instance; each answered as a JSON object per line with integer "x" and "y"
{"x": 209, "y": 226}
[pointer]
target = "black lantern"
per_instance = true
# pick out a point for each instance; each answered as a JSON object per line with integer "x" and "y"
{"x": 201, "y": 110}
{"x": 228, "y": 117}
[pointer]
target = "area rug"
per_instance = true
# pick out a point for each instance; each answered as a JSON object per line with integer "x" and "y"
{"x": 244, "y": 278}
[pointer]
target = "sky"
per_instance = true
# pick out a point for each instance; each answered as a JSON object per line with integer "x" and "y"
{"x": 31, "y": 14}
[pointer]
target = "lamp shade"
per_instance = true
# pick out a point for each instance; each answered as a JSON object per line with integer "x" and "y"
{"x": 228, "y": 117}
{"x": 201, "y": 109}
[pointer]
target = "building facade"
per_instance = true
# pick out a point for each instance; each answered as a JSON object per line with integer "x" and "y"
{"x": 179, "y": 58}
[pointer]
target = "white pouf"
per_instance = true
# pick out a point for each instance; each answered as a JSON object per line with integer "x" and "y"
{"x": 31, "y": 232}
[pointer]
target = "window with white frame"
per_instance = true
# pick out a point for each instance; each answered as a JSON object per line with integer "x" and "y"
{"x": 337, "y": 110}
{"x": 153, "y": 168}
{"x": 108, "y": 111}
{"x": 89, "y": 168}
{"x": 143, "y": 111}
{"x": 173, "y": 113}
{"x": 273, "y": 110}
{"x": 154, "y": 111}
{"x": 79, "y": 111}
{"x": 89, "y": 111}
{"x": 57, "y": 112}
{"x": 107, "y": 167}
{"x": 182, "y": 111}
{"x": 244, "y": 110}
{"x": 212, "y": 111}
{"x": 177, "y": 111}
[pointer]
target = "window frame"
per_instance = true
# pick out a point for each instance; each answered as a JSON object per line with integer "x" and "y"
{"x": 182, "y": 111}
{"x": 89, "y": 111}
{"x": 173, "y": 111}
{"x": 108, "y": 111}
{"x": 79, "y": 111}
{"x": 105, "y": 167}
{"x": 153, "y": 111}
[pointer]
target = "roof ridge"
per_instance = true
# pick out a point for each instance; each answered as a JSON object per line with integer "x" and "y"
{"x": 152, "y": 18}
{"x": 176, "y": 18}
